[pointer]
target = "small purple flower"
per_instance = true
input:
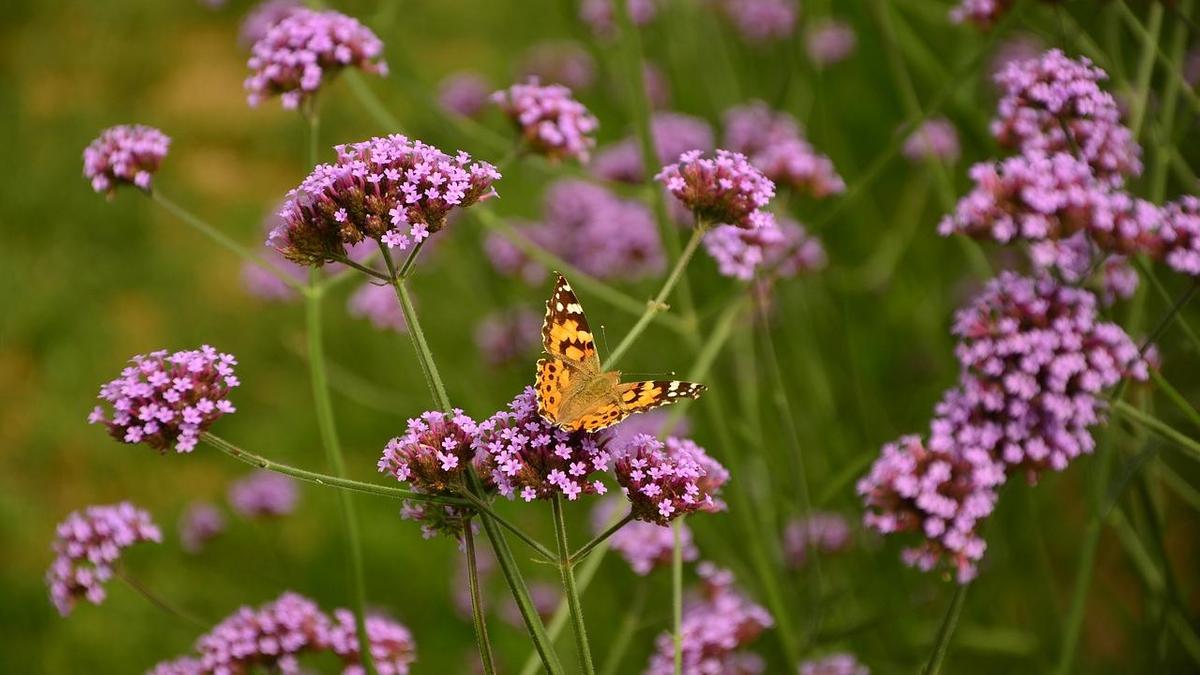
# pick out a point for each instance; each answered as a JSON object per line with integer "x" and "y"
{"x": 390, "y": 190}
{"x": 598, "y": 14}
{"x": 780, "y": 248}
{"x": 264, "y": 494}
{"x": 127, "y": 154}
{"x": 665, "y": 480}
{"x": 1181, "y": 235}
{"x": 551, "y": 121}
{"x": 724, "y": 189}
{"x": 673, "y": 133}
{"x": 935, "y": 139}
{"x": 834, "y": 664}
{"x": 377, "y": 304}
{"x": 822, "y": 531}
{"x": 829, "y": 42}
{"x": 658, "y": 87}
{"x": 271, "y": 637}
{"x": 762, "y": 20}
{"x": 982, "y": 13}
{"x": 87, "y": 546}
{"x": 529, "y": 458}
{"x": 433, "y": 454}
{"x": 167, "y": 400}
{"x": 718, "y": 624}
{"x": 306, "y": 49}
{"x": 464, "y": 93}
{"x": 508, "y": 336}
{"x": 559, "y": 62}
{"x": 200, "y": 523}
{"x": 263, "y": 18}
{"x": 775, "y": 144}
{"x": 644, "y": 546}
{"x": 392, "y": 646}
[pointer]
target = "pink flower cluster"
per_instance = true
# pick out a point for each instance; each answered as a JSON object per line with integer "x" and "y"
{"x": 829, "y": 42}
{"x": 673, "y": 134}
{"x": 304, "y": 50}
{"x": 433, "y": 453}
{"x": 762, "y": 20}
{"x": 390, "y": 189}
{"x": 982, "y": 13}
{"x": 775, "y": 144}
{"x": 590, "y": 227}
{"x": 199, "y": 524}
{"x": 822, "y": 531}
{"x": 274, "y": 636}
{"x": 643, "y": 545}
{"x": 598, "y": 14}
{"x": 550, "y": 120}
{"x": 167, "y": 400}
{"x": 724, "y": 189}
{"x": 263, "y": 17}
{"x": 718, "y": 623}
{"x": 834, "y": 664}
{"x": 1181, "y": 235}
{"x": 86, "y": 548}
{"x": 1055, "y": 104}
{"x": 127, "y": 154}
{"x": 508, "y": 336}
{"x": 778, "y": 247}
{"x": 464, "y": 93}
{"x": 527, "y": 456}
{"x": 264, "y": 494}
{"x": 379, "y": 305}
{"x": 665, "y": 480}
{"x": 935, "y": 139}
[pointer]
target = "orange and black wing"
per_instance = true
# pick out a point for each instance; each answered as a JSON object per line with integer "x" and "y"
{"x": 565, "y": 332}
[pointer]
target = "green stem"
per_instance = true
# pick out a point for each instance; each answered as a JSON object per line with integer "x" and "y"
{"x": 587, "y": 548}
{"x": 629, "y": 624}
{"x": 1177, "y": 398}
{"x": 942, "y": 644}
{"x": 658, "y": 303}
{"x": 337, "y": 465}
{"x": 375, "y": 107}
{"x": 154, "y": 599}
{"x": 1145, "y": 68}
{"x": 324, "y": 479}
{"x": 1173, "y": 68}
{"x": 433, "y": 378}
{"x": 1190, "y": 446}
{"x": 569, "y": 587}
{"x": 482, "y": 507}
{"x": 224, "y": 240}
{"x": 677, "y": 592}
{"x": 482, "y": 642}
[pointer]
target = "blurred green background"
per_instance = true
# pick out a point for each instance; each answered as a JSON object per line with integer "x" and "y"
{"x": 864, "y": 346}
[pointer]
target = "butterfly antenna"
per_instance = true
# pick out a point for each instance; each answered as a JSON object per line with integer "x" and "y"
{"x": 604, "y": 338}
{"x": 651, "y": 376}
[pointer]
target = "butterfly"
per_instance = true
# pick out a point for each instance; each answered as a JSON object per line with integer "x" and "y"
{"x": 573, "y": 392}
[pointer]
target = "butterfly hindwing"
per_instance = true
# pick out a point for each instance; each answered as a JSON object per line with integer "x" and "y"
{"x": 642, "y": 396}
{"x": 599, "y": 417}
{"x": 553, "y": 383}
{"x": 565, "y": 332}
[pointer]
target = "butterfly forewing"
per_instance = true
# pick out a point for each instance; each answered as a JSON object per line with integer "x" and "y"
{"x": 565, "y": 332}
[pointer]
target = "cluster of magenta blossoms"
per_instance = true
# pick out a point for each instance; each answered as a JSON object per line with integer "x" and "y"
{"x": 263, "y": 17}
{"x": 433, "y": 456}
{"x": 391, "y": 190}
{"x": 127, "y": 154}
{"x": 645, "y": 546}
{"x": 982, "y": 13}
{"x": 935, "y": 139}
{"x": 777, "y": 247}
{"x": 821, "y": 531}
{"x": 668, "y": 479}
{"x": 673, "y": 134}
{"x": 829, "y": 42}
{"x": 200, "y": 523}
{"x": 762, "y": 20}
{"x": 275, "y": 636}
{"x": 718, "y": 624}
{"x": 264, "y": 494}
{"x": 87, "y": 546}
{"x": 464, "y": 93}
{"x": 590, "y": 227}
{"x": 775, "y": 143}
{"x": 304, "y": 50}
{"x": 550, "y": 120}
{"x": 722, "y": 189}
{"x": 526, "y": 456}
{"x": 1180, "y": 235}
{"x": 599, "y": 14}
{"x": 377, "y": 304}
{"x": 834, "y": 664}
{"x": 167, "y": 400}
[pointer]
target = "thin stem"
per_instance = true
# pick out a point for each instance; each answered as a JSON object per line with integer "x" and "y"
{"x": 677, "y": 592}
{"x": 587, "y": 548}
{"x": 375, "y": 107}
{"x": 482, "y": 507}
{"x": 324, "y": 479}
{"x": 658, "y": 303}
{"x": 333, "y": 455}
{"x": 570, "y": 589}
{"x": 482, "y": 642}
{"x": 1177, "y": 398}
{"x": 1166, "y": 320}
{"x": 629, "y": 625}
{"x": 942, "y": 644}
{"x": 361, "y": 268}
{"x": 1190, "y": 446}
{"x": 1145, "y": 69}
{"x": 406, "y": 267}
{"x": 158, "y": 601}
{"x": 226, "y": 241}
{"x": 424, "y": 356}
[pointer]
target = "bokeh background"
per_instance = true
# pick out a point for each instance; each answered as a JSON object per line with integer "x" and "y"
{"x": 864, "y": 346}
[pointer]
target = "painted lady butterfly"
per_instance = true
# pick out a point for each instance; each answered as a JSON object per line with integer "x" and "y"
{"x": 573, "y": 392}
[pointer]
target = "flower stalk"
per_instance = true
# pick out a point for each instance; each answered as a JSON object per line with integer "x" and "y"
{"x": 572, "y": 592}
{"x": 482, "y": 642}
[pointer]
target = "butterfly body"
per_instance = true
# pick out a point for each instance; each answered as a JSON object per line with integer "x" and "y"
{"x": 574, "y": 392}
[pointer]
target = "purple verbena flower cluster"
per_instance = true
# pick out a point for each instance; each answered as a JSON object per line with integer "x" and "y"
{"x": 1181, "y": 235}
{"x": 778, "y": 247}
{"x": 673, "y": 134}
{"x": 464, "y": 93}
{"x": 550, "y": 120}
{"x": 821, "y": 531}
{"x": 264, "y": 494}
{"x": 390, "y": 190}
{"x": 87, "y": 546}
{"x": 724, "y": 189}
{"x": 200, "y": 523}
{"x": 377, "y": 304}
{"x": 127, "y": 154}
{"x": 829, "y": 42}
{"x": 645, "y": 546}
{"x": 434, "y": 452}
{"x": 775, "y": 144}
{"x": 834, "y": 664}
{"x": 666, "y": 480}
{"x": 391, "y": 643}
{"x": 936, "y": 139}
{"x": 263, "y": 17}
{"x": 507, "y": 336}
{"x": 718, "y": 623}
{"x": 167, "y": 400}
{"x": 304, "y": 50}
{"x": 762, "y": 20}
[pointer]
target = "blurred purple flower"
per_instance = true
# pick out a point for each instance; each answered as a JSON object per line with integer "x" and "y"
{"x": 264, "y": 494}
{"x": 200, "y": 523}
{"x": 652, "y": 423}
{"x": 936, "y": 139}
{"x": 1181, "y": 235}
{"x": 666, "y": 480}
{"x": 558, "y": 62}
{"x": 377, "y": 304}
{"x": 825, "y": 532}
{"x": 724, "y": 189}
{"x": 982, "y": 13}
{"x": 167, "y": 400}
{"x": 778, "y": 247}
{"x": 263, "y": 17}
{"x": 464, "y": 93}
{"x": 86, "y": 547}
{"x": 598, "y": 14}
{"x": 545, "y": 599}
{"x": 392, "y": 646}
{"x": 673, "y": 133}
{"x": 830, "y": 41}
{"x": 508, "y": 336}
{"x": 306, "y": 49}
{"x": 834, "y": 664}
{"x": 644, "y": 546}
{"x": 126, "y": 154}
{"x": 550, "y": 120}
{"x": 1022, "y": 47}
{"x": 762, "y": 20}
{"x": 775, "y": 144}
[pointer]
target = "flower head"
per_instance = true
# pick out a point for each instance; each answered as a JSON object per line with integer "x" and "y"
{"x": 1181, "y": 235}
{"x": 822, "y": 531}
{"x": 724, "y": 189}
{"x": 673, "y": 133}
{"x": 306, "y": 49}
{"x": 643, "y": 545}
{"x": 936, "y": 138}
{"x": 762, "y": 20}
{"x": 528, "y": 457}
{"x": 87, "y": 546}
{"x": 378, "y": 304}
{"x": 464, "y": 93}
{"x": 775, "y": 144}
{"x": 829, "y": 42}
{"x": 263, "y": 17}
{"x": 550, "y": 120}
{"x": 263, "y": 494}
{"x": 271, "y": 637}
{"x": 390, "y": 190}
{"x": 433, "y": 453}
{"x": 198, "y": 525}
{"x": 780, "y": 247}
{"x": 982, "y": 13}
{"x": 127, "y": 154}
{"x": 665, "y": 480}
{"x": 508, "y": 336}
{"x": 167, "y": 400}
{"x": 392, "y": 646}
{"x": 834, "y": 664}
